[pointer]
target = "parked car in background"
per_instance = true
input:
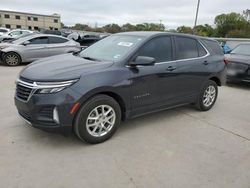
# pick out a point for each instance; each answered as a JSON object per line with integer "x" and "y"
{"x": 120, "y": 77}
{"x": 3, "y": 30}
{"x": 14, "y": 34}
{"x": 51, "y": 32}
{"x": 239, "y": 64}
{"x": 33, "y": 47}
{"x": 10, "y": 39}
{"x": 88, "y": 39}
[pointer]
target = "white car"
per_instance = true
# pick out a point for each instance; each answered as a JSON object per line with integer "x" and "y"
{"x": 3, "y": 30}
{"x": 14, "y": 34}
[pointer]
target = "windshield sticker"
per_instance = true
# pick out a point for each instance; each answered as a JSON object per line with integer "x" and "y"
{"x": 126, "y": 44}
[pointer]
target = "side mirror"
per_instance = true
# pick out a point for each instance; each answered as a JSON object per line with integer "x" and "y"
{"x": 25, "y": 43}
{"x": 143, "y": 61}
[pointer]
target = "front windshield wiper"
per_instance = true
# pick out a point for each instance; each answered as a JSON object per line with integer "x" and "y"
{"x": 90, "y": 58}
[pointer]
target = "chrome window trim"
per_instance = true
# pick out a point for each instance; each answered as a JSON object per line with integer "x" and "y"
{"x": 179, "y": 60}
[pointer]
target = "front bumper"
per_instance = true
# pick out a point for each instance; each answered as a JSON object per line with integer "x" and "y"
{"x": 49, "y": 112}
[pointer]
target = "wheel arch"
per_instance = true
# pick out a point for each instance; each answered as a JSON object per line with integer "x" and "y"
{"x": 216, "y": 80}
{"x": 118, "y": 98}
{"x": 13, "y": 51}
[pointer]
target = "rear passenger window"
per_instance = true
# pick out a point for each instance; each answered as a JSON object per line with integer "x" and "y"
{"x": 186, "y": 48}
{"x": 202, "y": 51}
{"x": 159, "y": 48}
{"x": 213, "y": 46}
{"x": 56, "y": 40}
{"x": 39, "y": 40}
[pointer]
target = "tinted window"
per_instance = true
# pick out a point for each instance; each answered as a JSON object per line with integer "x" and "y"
{"x": 39, "y": 40}
{"x": 55, "y": 40}
{"x": 202, "y": 51}
{"x": 3, "y": 30}
{"x": 213, "y": 46}
{"x": 186, "y": 48}
{"x": 159, "y": 48}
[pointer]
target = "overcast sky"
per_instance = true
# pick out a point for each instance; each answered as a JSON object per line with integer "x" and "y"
{"x": 173, "y": 13}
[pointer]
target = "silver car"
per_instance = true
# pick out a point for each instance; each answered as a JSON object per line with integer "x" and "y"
{"x": 33, "y": 47}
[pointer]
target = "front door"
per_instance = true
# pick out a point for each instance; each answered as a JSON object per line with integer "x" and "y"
{"x": 154, "y": 86}
{"x": 37, "y": 48}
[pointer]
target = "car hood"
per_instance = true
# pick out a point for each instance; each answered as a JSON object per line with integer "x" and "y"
{"x": 61, "y": 68}
{"x": 238, "y": 58}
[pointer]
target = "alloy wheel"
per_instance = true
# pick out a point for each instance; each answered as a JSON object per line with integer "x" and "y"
{"x": 100, "y": 120}
{"x": 209, "y": 96}
{"x": 12, "y": 59}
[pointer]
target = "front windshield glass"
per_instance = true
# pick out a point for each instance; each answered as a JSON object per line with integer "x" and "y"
{"x": 112, "y": 48}
{"x": 242, "y": 49}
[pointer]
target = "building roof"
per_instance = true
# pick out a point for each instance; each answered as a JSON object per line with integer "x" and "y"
{"x": 53, "y": 15}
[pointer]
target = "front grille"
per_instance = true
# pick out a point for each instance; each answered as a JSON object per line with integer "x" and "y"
{"x": 47, "y": 112}
{"x": 23, "y": 92}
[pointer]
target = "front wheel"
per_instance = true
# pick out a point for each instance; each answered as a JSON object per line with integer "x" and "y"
{"x": 98, "y": 119}
{"x": 12, "y": 59}
{"x": 208, "y": 96}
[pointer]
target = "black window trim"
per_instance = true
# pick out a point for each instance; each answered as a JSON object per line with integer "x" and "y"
{"x": 138, "y": 49}
{"x": 193, "y": 58}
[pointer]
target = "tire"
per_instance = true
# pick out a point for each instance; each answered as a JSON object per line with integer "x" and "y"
{"x": 207, "y": 96}
{"x": 12, "y": 59}
{"x": 93, "y": 126}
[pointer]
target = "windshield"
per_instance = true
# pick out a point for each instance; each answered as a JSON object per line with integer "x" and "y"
{"x": 112, "y": 48}
{"x": 20, "y": 39}
{"x": 242, "y": 49}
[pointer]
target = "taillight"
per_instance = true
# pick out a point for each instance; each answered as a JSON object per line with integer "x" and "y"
{"x": 226, "y": 61}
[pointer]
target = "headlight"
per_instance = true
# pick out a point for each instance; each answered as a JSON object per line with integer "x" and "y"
{"x": 53, "y": 87}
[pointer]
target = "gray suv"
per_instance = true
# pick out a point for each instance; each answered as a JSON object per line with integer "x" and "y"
{"x": 33, "y": 47}
{"x": 120, "y": 77}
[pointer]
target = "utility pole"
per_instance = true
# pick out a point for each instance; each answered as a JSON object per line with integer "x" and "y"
{"x": 196, "y": 16}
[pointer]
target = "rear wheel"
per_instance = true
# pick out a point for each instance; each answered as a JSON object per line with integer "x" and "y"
{"x": 98, "y": 119}
{"x": 12, "y": 59}
{"x": 208, "y": 96}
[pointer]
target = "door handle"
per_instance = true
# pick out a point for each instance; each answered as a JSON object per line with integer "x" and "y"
{"x": 205, "y": 63}
{"x": 170, "y": 68}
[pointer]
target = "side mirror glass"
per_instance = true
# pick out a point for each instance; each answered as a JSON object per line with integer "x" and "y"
{"x": 143, "y": 61}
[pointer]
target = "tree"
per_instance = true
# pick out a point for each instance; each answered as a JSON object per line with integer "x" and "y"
{"x": 128, "y": 27}
{"x": 184, "y": 29}
{"x": 229, "y": 22}
{"x": 204, "y": 30}
{"x": 112, "y": 28}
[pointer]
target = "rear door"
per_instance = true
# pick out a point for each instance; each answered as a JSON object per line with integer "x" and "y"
{"x": 58, "y": 45}
{"x": 193, "y": 69}
{"x": 37, "y": 48}
{"x": 154, "y": 86}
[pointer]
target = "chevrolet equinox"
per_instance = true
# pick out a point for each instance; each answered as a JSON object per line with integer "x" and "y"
{"x": 120, "y": 77}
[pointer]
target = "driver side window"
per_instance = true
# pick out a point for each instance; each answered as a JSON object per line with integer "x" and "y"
{"x": 159, "y": 48}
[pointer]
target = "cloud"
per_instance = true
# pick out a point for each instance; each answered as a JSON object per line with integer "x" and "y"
{"x": 171, "y": 13}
